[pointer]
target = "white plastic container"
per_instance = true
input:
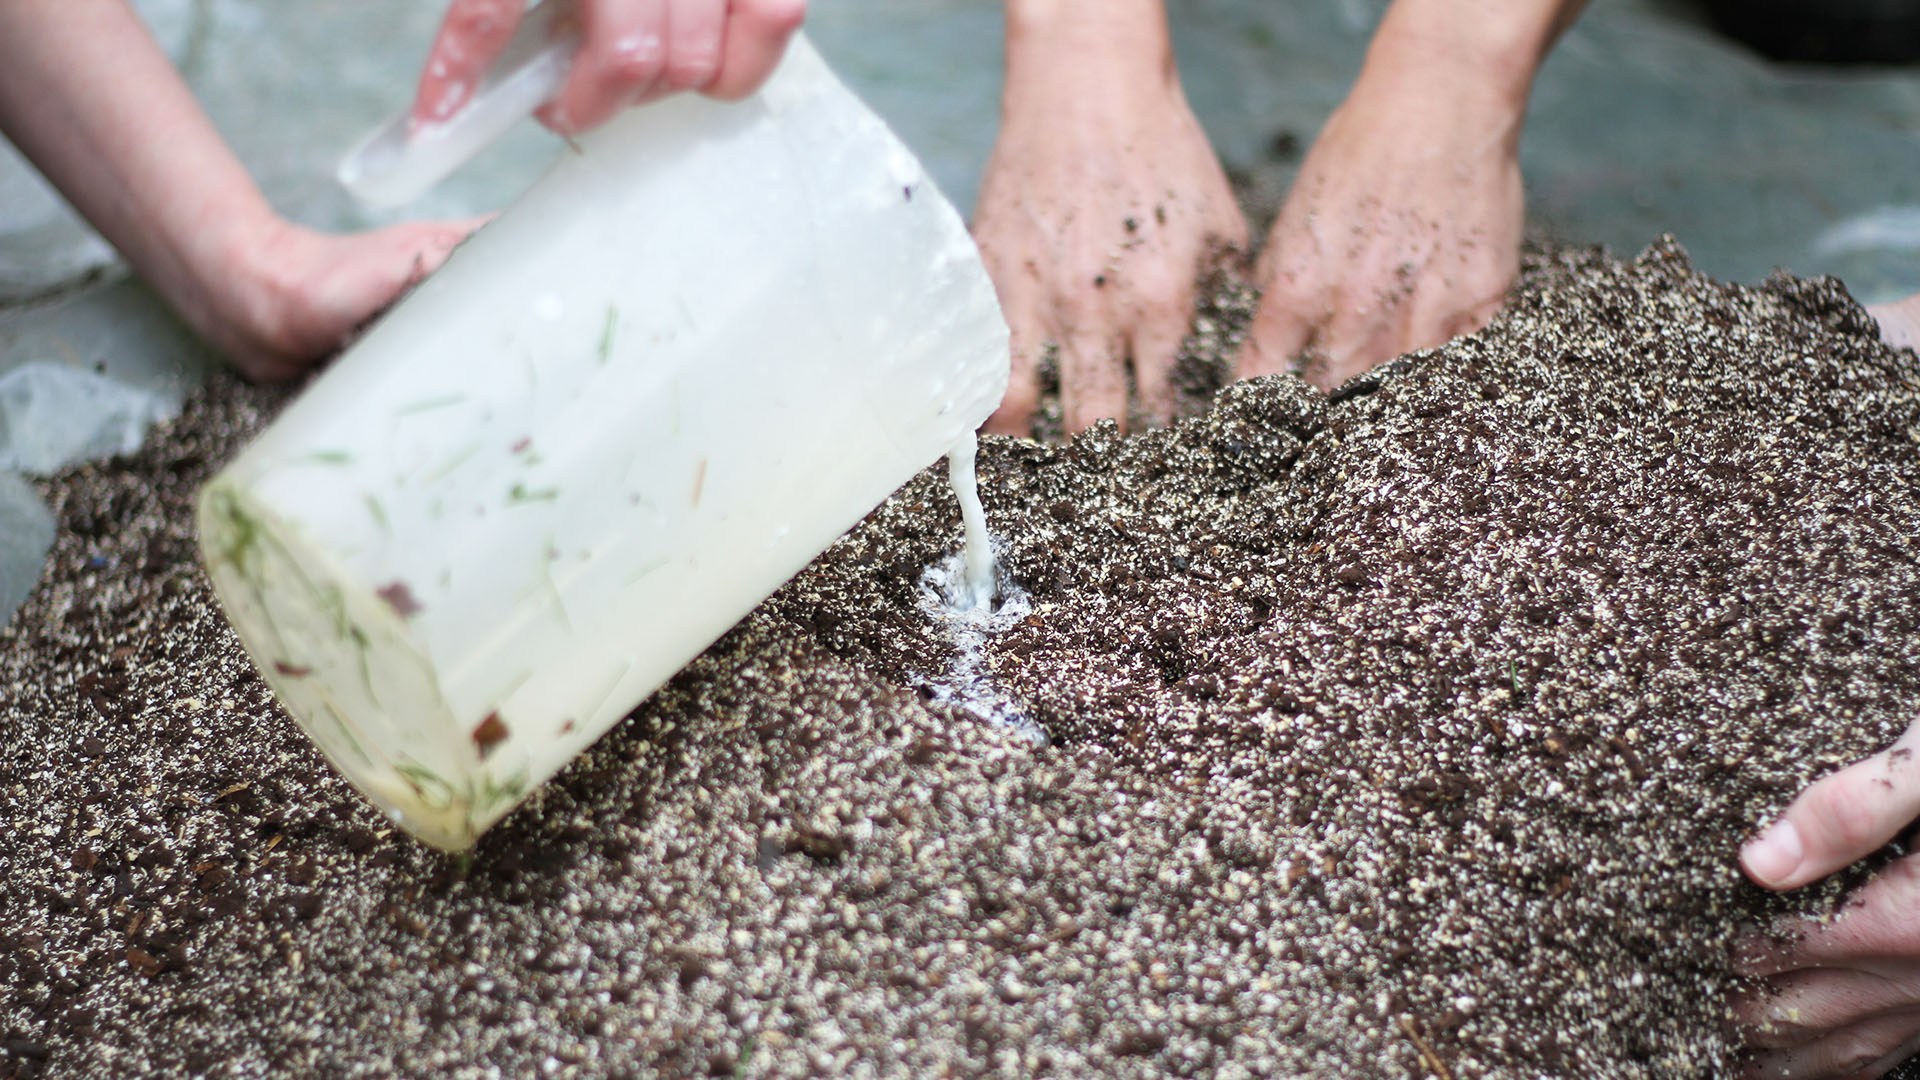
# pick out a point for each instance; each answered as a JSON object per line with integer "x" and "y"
{"x": 623, "y": 414}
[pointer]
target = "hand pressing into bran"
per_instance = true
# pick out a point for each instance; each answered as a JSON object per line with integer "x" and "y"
{"x": 1843, "y": 1000}
{"x": 1097, "y": 210}
{"x": 1389, "y": 243}
{"x": 1103, "y": 200}
{"x": 1403, "y": 228}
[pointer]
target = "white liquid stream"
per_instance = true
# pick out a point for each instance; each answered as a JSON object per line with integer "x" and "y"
{"x": 977, "y": 585}
{"x": 961, "y": 595}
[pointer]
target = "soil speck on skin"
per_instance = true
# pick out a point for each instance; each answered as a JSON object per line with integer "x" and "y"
{"x": 1409, "y": 728}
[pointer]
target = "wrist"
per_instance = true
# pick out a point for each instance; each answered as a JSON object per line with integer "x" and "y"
{"x": 225, "y": 285}
{"x": 1484, "y": 53}
{"x": 1096, "y": 49}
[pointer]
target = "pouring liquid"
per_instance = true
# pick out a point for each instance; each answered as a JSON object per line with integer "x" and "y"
{"x": 975, "y": 588}
{"x": 960, "y": 593}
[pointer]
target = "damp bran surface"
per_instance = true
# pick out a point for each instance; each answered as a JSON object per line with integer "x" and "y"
{"x": 1413, "y": 728}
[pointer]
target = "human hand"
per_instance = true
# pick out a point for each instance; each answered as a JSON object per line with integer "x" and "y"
{"x": 1899, "y": 322}
{"x": 1401, "y": 232}
{"x": 291, "y": 295}
{"x": 84, "y": 90}
{"x": 1403, "y": 227}
{"x": 1100, "y": 202}
{"x": 631, "y": 51}
{"x": 1844, "y": 999}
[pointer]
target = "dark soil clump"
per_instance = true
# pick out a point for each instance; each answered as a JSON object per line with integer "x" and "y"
{"x": 1419, "y": 724}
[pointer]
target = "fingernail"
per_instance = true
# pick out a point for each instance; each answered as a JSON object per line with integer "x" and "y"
{"x": 1775, "y": 854}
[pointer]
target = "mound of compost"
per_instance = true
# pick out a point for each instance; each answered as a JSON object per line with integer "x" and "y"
{"x": 1407, "y": 732}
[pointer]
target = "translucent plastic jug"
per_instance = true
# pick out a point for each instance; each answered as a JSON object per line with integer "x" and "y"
{"x": 623, "y": 414}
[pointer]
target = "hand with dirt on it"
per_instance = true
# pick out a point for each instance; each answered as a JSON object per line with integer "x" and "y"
{"x": 296, "y": 295}
{"x": 1100, "y": 204}
{"x": 1403, "y": 227}
{"x": 631, "y": 52}
{"x": 1841, "y": 1000}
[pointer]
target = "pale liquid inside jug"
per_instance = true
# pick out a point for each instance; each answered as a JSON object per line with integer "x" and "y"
{"x": 976, "y": 585}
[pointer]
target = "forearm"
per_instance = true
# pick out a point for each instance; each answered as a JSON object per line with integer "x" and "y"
{"x": 1486, "y": 47}
{"x": 93, "y": 102}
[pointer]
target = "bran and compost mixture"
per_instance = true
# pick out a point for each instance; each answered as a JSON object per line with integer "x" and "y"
{"x": 1407, "y": 732}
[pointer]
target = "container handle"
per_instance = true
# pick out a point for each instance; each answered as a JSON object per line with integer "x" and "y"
{"x": 400, "y": 160}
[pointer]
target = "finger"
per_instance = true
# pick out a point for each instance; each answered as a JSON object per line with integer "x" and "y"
{"x": 757, "y": 35}
{"x": 336, "y": 285}
{"x": 1463, "y": 289}
{"x": 1474, "y": 319}
{"x": 1016, "y": 282}
{"x": 1874, "y": 932}
{"x": 1156, "y": 351}
{"x": 470, "y": 39}
{"x": 1840, "y": 819}
{"x": 1803, "y": 1007}
{"x": 1306, "y": 321}
{"x": 1279, "y": 335}
{"x": 622, "y": 60}
{"x": 419, "y": 248}
{"x": 1285, "y": 322}
{"x": 696, "y": 39}
{"x": 1905, "y": 1053}
{"x": 1439, "y": 316}
{"x": 1865, "y": 1050}
{"x": 1359, "y": 340}
{"x": 435, "y": 240}
{"x": 378, "y": 268}
{"x": 1093, "y": 380}
{"x": 1155, "y": 347}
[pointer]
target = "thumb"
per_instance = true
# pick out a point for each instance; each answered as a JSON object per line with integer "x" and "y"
{"x": 387, "y": 262}
{"x": 1840, "y": 819}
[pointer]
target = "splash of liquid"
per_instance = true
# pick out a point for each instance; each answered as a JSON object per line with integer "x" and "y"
{"x": 967, "y": 684}
{"x": 963, "y": 596}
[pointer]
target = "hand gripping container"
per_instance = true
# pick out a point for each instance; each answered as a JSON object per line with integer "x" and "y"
{"x": 624, "y": 413}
